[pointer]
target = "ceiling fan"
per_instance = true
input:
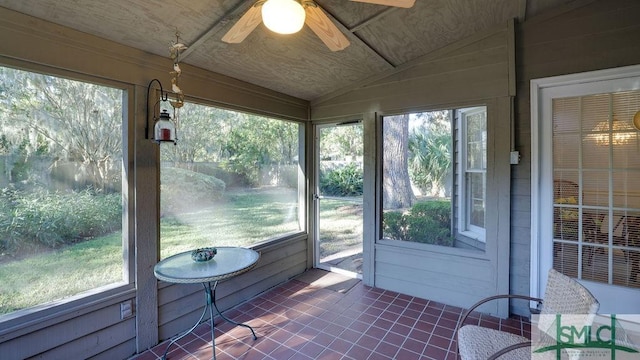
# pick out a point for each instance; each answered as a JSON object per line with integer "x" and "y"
{"x": 307, "y": 12}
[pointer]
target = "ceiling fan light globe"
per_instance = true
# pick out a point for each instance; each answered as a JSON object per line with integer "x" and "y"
{"x": 283, "y": 16}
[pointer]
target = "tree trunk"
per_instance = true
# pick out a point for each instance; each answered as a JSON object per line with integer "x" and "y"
{"x": 396, "y": 186}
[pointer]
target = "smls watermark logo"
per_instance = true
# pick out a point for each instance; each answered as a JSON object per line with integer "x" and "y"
{"x": 577, "y": 336}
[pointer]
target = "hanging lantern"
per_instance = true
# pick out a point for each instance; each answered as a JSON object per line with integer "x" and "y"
{"x": 165, "y": 128}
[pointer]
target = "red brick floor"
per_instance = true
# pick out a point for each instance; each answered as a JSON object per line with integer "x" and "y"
{"x": 298, "y": 321}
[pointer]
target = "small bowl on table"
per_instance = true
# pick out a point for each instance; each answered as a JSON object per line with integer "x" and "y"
{"x": 203, "y": 254}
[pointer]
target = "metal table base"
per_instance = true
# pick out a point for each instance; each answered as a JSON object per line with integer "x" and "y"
{"x": 210, "y": 295}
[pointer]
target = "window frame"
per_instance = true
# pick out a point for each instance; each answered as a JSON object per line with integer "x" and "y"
{"x": 98, "y": 297}
{"x": 464, "y": 203}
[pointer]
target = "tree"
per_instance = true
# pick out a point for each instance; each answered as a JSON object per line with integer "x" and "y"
{"x": 254, "y": 141}
{"x": 75, "y": 121}
{"x": 201, "y": 134}
{"x": 396, "y": 187}
{"x": 342, "y": 141}
{"x": 430, "y": 153}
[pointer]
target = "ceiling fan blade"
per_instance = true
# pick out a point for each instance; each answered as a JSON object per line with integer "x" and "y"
{"x": 326, "y": 30}
{"x": 395, "y": 3}
{"x": 243, "y": 27}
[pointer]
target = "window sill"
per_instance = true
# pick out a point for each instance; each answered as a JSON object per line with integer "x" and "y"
{"x": 470, "y": 240}
{"x": 473, "y": 236}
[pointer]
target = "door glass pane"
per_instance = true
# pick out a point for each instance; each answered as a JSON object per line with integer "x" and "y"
{"x": 60, "y": 188}
{"x": 597, "y": 199}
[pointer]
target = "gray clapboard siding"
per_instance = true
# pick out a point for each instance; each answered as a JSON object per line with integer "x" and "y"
{"x": 583, "y": 36}
{"x": 121, "y": 351}
{"x": 473, "y": 69}
{"x": 105, "y": 341}
{"x": 430, "y": 275}
{"x": 87, "y": 334}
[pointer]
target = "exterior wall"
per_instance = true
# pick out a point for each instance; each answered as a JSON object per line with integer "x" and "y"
{"x": 586, "y": 36}
{"x": 93, "y": 328}
{"x": 476, "y": 71}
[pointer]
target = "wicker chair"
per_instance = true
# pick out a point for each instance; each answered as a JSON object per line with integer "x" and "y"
{"x": 563, "y": 296}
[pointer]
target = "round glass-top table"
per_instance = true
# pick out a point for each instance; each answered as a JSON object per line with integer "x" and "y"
{"x": 227, "y": 263}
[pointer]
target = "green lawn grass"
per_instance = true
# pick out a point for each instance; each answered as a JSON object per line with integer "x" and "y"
{"x": 340, "y": 225}
{"x": 61, "y": 273}
{"x": 243, "y": 218}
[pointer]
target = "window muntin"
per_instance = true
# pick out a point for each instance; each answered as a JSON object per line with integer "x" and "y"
{"x": 472, "y": 157}
{"x": 232, "y": 179}
{"x": 61, "y": 188}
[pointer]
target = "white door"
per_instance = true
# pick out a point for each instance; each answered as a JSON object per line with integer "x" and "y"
{"x": 586, "y": 184}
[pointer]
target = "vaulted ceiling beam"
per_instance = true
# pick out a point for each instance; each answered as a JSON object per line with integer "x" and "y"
{"x": 374, "y": 18}
{"x": 231, "y": 15}
{"x": 357, "y": 39}
{"x": 244, "y": 5}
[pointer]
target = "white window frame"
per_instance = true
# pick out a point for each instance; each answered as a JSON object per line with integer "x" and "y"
{"x": 463, "y": 208}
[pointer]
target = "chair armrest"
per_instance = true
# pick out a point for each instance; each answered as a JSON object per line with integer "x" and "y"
{"x": 508, "y": 349}
{"x": 491, "y": 298}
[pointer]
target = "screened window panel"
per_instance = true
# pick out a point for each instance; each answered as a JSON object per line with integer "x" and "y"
{"x": 416, "y": 191}
{"x": 61, "y": 147}
{"x": 231, "y": 180}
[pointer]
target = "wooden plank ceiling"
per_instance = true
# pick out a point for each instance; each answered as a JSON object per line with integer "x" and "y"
{"x": 300, "y": 64}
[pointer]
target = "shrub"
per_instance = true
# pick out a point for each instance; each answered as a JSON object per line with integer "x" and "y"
{"x": 343, "y": 181}
{"x": 181, "y": 189}
{"x": 427, "y": 222}
{"x": 52, "y": 219}
{"x": 393, "y": 225}
{"x": 438, "y": 210}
